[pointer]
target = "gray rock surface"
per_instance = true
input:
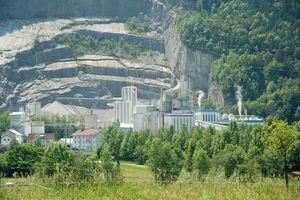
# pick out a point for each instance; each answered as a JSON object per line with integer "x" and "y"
{"x": 29, "y": 75}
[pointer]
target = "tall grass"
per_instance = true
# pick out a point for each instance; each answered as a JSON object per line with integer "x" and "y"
{"x": 139, "y": 184}
{"x": 261, "y": 189}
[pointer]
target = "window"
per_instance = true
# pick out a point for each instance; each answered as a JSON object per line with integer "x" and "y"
{"x": 8, "y": 139}
{"x": 4, "y": 139}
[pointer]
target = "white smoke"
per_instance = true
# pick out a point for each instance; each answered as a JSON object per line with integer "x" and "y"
{"x": 245, "y": 111}
{"x": 200, "y": 97}
{"x": 238, "y": 96}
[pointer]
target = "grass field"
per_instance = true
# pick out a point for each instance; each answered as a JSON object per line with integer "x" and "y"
{"x": 139, "y": 184}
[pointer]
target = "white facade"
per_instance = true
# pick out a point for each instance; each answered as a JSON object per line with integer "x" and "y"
{"x": 8, "y": 135}
{"x": 88, "y": 139}
{"x": 87, "y": 142}
{"x": 207, "y": 115}
{"x": 178, "y": 119}
{"x": 123, "y": 109}
{"x": 21, "y": 121}
{"x": 68, "y": 141}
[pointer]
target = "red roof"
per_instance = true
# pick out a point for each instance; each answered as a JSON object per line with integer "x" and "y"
{"x": 49, "y": 136}
{"x": 91, "y": 131}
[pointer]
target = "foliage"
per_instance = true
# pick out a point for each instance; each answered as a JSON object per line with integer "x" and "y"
{"x": 163, "y": 162}
{"x": 280, "y": 137}
{"x": 22, "y": 159}
{"x": 13, "y": 143}
{"x": 80, "y": 45}
{"x": 258, "y": 46}
{"x": 4, "y": 121}
{"x": 200, "y": 162}
{"x": 111, "y": 172}
{"x": 59, "y": 130}
{"x": 37, "y": 141}
{"x": 135, "y": 26}
{"x": 61, "y": 164}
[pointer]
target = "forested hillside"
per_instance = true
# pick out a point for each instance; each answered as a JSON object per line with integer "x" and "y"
{"x": 258, "y": 43}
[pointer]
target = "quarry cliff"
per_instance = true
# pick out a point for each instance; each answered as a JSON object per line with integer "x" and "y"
{"x": 33, "y": 67}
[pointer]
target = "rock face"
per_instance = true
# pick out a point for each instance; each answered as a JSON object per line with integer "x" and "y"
{"x": 30, "y": 75}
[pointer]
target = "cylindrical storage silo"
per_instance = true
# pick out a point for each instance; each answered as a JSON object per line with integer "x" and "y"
{"x": 90, "y": 121}
{"x": 138, "y": 121}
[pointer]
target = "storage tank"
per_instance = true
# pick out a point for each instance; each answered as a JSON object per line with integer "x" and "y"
{"x": 225, "y": 117}
{"x": 31, "y": 108}
{"x": 90, "y": 121}
{"x": 231, "y": 117}
{"x": 138, "y": 121}
{"x": 38, "y": 108}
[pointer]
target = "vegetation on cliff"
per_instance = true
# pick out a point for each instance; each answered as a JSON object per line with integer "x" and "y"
{"x": 258, "y": 44}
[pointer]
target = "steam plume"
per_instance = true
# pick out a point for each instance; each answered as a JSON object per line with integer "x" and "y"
{"x": 238, "y": 96}
{"x": 200, "y": 97}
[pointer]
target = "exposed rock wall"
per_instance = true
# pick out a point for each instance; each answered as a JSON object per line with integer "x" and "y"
{"x": 186, "y": 64}
{"x": 29, "y": 75}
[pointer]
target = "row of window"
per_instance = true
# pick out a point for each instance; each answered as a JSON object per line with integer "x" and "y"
{"x": 209, "y": 118}
{"x": 84, "y": 142}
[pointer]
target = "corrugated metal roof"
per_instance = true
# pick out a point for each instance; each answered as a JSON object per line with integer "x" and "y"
{"x": 83, "y": 132}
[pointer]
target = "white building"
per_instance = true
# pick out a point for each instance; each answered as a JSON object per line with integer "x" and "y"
{"x": 145, "y": 116}
{"x": 123, "y": 108}
{"x": 8, "y": 135}
{"x": 207, "y": 115}
{"x": 176, "y": 108}
{"x": 67, "y": 141}
{"x": 21, "y": 121}
{"x": 88, "y": 139}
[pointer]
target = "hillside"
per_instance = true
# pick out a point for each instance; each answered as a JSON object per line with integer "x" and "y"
{"x": 91, "y": 48}
{"x": 258, "y": 46}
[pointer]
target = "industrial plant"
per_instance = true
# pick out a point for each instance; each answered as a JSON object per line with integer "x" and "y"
{"x": 174, "y": 107}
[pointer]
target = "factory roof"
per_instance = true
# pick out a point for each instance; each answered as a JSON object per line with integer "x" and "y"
{"x": 15, "y": 132}
{"x": 90, "y": 131}
{"x": 16, "y": 113}
{"x": 207, "y": 111}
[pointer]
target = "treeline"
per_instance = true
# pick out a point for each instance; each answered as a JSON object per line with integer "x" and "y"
{"x": 59, "y": 124}
{"x": 258, "y": 44}
{"x": 238, "y": 149}
{"x": 81, "y": 44}
{"x": 56, "y": 165}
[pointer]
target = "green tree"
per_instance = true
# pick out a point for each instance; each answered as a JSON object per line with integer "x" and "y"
{"x": 22, "y": 159}
{"x": 37, "y": 141}
{"x": 4, "y": 121}
{"x": 111, "y": 172}
{"x": 55, "y": 157}
{"x": 163, "y": 161}
{"x": 281, "y": 137}
{"x": 201, "y": 162}
{"x": 13, "y": 143}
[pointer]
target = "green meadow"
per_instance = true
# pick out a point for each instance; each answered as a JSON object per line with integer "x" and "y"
{"x": 138, "y": 183}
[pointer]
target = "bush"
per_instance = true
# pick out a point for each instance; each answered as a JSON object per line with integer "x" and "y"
{"x": 22, "y": 159}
